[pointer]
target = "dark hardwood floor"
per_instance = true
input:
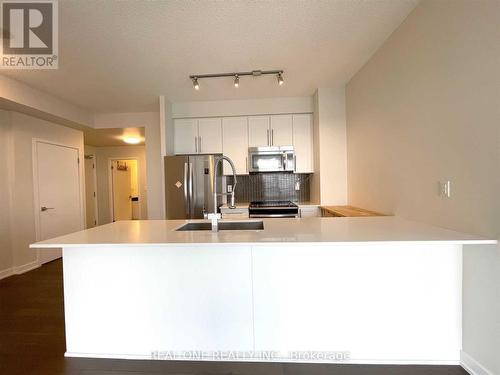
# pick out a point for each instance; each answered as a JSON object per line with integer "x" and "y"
{"x": 32, "y": 341}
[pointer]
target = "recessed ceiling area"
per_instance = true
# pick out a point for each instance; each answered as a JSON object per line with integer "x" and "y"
{"x": 119, "y": 56}
{"x": 112, "y": 137}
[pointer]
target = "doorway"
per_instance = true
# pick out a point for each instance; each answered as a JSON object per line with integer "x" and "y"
{"x": 56, "y": 182}
{"x": 124, "y": 189}
{"x": 91, "y": 191}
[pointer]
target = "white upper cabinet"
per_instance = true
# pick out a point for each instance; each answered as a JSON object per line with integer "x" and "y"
{"x": 235, "y": 144}
{"x": 281, "y": 130}
{"x": 210, "y": 136}
{"x": 303, "y": 143}
{"x": 258, "y": 131}
{"x": 270, "y": 131}
{"x": 185, "y": 136}
{"x": 198, "y": 136}
{"x": 233, "y": 135}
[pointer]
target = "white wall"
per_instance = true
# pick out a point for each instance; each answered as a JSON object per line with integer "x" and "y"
{"x": 329, "y": 186}
{"x": 103, "y": 155}
{"x": 6, "y": 259}
{"x": 19, "y": 184}
{"x": 154, "y": 161}
{"x": 424, "y": 109}
{"x": 246, "y": 107}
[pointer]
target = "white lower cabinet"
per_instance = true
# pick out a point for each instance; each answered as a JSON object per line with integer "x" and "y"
{"x": 309, "y": 211}
{"x": 380, "y": 302}
{"x": 158, "y": 299}
{"x": 235, "y": 144}
{"x": 234, "y": 213}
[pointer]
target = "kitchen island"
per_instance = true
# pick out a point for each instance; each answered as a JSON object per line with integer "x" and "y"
{"x": 357, "y": 290}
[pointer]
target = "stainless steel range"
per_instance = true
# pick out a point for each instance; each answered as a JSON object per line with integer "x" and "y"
{"x": 265, "y": 209}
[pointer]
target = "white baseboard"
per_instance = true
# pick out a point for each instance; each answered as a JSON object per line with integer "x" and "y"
{"x": 26, "y": 267}
{"x": 472, "y": 366}
{"x": 252, "y": 359}
{"x": 19, "y": 269}
{"x": 6, "y": 273}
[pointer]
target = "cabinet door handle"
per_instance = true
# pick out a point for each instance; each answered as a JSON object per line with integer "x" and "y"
{"x": 268, "y": 143}
{"x": 199, "y": 142}
{"x": 195, "y": 144}
{"x": 272, "y": 137}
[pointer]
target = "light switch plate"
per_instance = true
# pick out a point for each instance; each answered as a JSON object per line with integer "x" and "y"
{"x": 229, "y": 188}
{"x": 445, "y": 189}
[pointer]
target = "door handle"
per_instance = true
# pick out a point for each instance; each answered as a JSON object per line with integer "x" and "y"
{"x": 195, "y": 144}
{"x": 199, "y": 143}
{"x": 268, "y": 143}
{"x": 272, "y": 137}
{"x": 191, "y": 197}
{"x": 43, "y": 208}
{"x": 186, "y": 198}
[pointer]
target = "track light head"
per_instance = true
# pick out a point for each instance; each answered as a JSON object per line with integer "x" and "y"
{"x": 236, "y": 81}
{"x": 195, "y": 83}
{"x": 280, "y": 79}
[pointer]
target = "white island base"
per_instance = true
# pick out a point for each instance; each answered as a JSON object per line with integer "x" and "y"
{"x": 199, "y": 296}
{"x": 391, "y": 303}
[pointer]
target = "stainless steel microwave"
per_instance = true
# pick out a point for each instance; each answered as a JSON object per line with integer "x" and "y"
{"x": 271, "y": 159}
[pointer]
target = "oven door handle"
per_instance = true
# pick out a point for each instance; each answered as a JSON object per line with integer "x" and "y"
{"x": 258, "y": 216}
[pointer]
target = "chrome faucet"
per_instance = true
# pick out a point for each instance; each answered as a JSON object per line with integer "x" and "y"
{"x": 215, "y": 216}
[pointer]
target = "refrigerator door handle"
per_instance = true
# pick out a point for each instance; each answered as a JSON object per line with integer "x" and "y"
{"x": 186, "y": 197}
{"x": 191, "y": 197}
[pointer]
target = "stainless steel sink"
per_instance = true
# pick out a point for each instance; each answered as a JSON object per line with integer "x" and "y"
{"x": 223, "y": 225}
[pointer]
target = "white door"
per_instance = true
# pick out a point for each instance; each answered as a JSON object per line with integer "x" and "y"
{"x": 281, "y": 130}
{"x": 90, "y": 192}
{"x": 235, "y": 143}
{"x": 303, "y": 143}
{"x": 258, "y": 131}
{"x": 121, "y": 179}
{"x": 185, "y": 136}
{"x": 57, "y": 183}
{"x": 210, "y": 136}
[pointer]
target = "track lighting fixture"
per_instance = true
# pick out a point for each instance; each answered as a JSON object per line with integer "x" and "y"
{"x": 195, "y": 83}
{"x": 236, "y": 75}
{"x": 280, "y": 79}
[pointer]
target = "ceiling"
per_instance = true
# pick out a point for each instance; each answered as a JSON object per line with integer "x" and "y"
{"x": 119, "y": 56}
{"x": 111, "y": 137}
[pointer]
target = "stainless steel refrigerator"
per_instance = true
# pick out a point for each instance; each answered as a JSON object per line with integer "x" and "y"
{"x": 189, "y": 185}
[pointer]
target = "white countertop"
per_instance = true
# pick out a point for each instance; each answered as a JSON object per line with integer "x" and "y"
{"x": 296, "y": 230}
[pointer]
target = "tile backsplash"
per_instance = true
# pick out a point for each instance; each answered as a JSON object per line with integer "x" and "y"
{"x": 271, "y": 186}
